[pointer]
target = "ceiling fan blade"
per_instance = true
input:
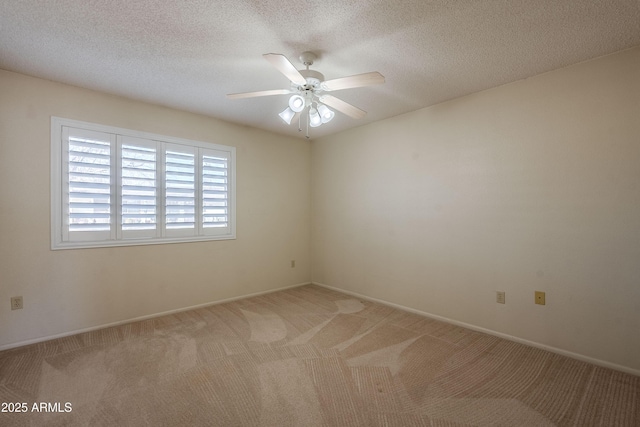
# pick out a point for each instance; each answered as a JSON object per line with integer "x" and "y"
{"x": 285, "y": 67}
{"x": 359, "y": 80}
{"x": 342, "y": 106}
{"x": 259, "y": 93}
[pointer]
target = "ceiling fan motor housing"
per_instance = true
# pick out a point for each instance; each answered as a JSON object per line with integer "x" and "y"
{"x": 314, "y": 78}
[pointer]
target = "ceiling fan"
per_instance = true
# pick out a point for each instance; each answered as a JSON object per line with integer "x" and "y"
{"x": 308, "y": 100}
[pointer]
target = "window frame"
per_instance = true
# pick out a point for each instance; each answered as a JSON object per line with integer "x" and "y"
{"x": 59, "y": 188}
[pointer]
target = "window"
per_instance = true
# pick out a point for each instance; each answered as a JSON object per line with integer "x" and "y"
{"x": 117, "y": 187}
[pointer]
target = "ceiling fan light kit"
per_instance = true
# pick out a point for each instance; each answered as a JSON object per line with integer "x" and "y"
{"x": 296, "y": 103}
{"x": 287, "y": 115}
{"x": 307, "y": 101}
{"x": 325, "y": 113}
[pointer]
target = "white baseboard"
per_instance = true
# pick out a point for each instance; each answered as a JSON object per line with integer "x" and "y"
{"x": 560, "y": 351}
{"x": 147, "y": 317}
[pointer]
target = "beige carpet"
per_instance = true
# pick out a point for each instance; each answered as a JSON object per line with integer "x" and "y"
{"x": 306, "y": 356}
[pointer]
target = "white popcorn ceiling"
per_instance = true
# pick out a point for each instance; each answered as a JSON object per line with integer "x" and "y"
{"x": 189, "y": 54}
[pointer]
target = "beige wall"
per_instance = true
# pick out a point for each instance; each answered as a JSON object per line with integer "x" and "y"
{"x": 530, "y": 186}
{"x": 69, "y": 290}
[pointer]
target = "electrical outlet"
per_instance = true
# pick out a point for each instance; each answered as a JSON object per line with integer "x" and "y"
{"x": 16, "y": 303}
{"x": 500, "y": 297}
{"x": 540, "y": 298}
{"x": 293, "y": 263}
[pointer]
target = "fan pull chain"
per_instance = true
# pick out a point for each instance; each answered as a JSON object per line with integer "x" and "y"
{"x": 307, "y": 125}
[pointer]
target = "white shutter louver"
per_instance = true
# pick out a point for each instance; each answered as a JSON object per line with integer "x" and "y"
{"x": 180, "y": 191}
{"x": 215, "y": 190}
{"x": 138, "y": 188}
{"x": 89, "y": 174}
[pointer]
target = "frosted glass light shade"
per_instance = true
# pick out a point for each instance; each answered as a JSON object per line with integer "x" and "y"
{"x": 325, "y": 113}
{"x": 287, "y": 115}
{"x": 314, "y": 118}
{"x": 296, "y": 103}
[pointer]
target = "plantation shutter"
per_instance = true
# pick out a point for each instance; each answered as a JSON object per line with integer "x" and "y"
{"x": 117, "y": 187}
{"x": 87, "y": 188}
{"x": 138, "y": 169}
{"x": 215, "y": 191}
{"x": 180, "y": 190}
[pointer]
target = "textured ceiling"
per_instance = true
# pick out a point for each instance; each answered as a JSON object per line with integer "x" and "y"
{"x": 189, "y": 54}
